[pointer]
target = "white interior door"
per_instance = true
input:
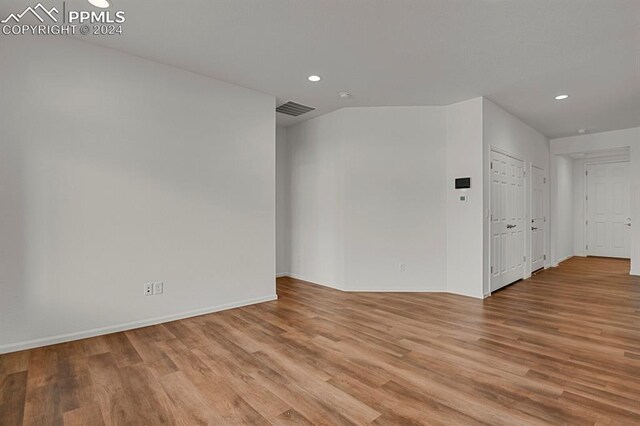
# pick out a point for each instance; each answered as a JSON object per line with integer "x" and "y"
{"x": 608, "y": 210}
{"x": 507, "y": 220}
{"x": 538, "y": 220}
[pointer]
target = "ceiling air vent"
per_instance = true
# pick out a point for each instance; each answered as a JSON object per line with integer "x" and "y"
{"x": 294, "y": 109}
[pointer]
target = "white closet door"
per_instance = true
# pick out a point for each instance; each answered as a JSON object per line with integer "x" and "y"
{"x": 538, "y": 223}
{"x": 608, "y": 210}
{"x": 507, "y": 220}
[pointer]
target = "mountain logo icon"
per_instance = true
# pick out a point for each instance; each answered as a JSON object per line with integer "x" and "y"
{"x": 43, "y": 12}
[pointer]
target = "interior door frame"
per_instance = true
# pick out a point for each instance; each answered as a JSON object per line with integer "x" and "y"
{"x": 524, "y": 197}
{"x": 545, "y": 212}
{"x": 585, "y": 192}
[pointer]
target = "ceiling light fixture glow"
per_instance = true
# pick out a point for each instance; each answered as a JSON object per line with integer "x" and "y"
{"x": 561, "y": 97}
{"x": 314, "y": 78}
{"x": 102, "y": 4}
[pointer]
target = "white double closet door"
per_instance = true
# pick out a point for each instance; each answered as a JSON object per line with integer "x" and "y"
{"x": 609, "y": 210}
{"x": 507, "y": 220}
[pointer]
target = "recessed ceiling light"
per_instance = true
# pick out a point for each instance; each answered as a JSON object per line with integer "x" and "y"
{"x": 314, "y": 78}
{"x": 582, "y": 131}
{"x": 102, "y": 4}
{"x": 344, "y": 95}
{"x": 561, "y": 97}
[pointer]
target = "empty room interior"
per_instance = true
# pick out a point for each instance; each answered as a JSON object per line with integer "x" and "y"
{"x": 367, "y": 212}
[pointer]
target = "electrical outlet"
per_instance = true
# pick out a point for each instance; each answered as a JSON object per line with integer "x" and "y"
{"x": 403, "y": 267}
{"x": 148, "y": 289}
{"x": 158, "y": 287}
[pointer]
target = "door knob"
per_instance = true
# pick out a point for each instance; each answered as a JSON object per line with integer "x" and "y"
{"x": 534, "y": 229}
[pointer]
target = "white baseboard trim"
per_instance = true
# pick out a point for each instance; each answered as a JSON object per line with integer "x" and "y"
{"x": 481, "y": 296}
{"x": 369, "y": 289}
{"x": 395, "y": 290}
{"x": 283, "y": 274}
{"x": 62, "y": 338}
{"x": 564, "y": 258}
{"x": 559, "y": 261}
{"x": 301, "y": 278}
{"x": 635, "y": 273}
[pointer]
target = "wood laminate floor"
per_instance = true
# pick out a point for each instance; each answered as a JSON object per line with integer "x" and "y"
{"x": 560, "y": 348}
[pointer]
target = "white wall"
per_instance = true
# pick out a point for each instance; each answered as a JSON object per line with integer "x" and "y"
{"x": 635, "y": 205}
{"x": 566, "y": 217}
{"x": 367, "y": 195}
{"x": 578, "y": 208}
{"x": 464, "y": 219}
{"x": 317, "y": 200}
{"x": 116, "y": 171}
{"x": 509, "y": 134}
{"x": 283, "y": 189}
{"x": 601, "y": 142}
{"x": 373, "y": 188}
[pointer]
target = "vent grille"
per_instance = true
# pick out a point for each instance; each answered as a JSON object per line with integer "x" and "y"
{"x": 294, "y": 109}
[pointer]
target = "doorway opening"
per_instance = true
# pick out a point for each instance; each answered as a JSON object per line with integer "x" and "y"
{"x": 593, "y": 205}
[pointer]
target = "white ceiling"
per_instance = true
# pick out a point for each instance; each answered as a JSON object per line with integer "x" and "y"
{"x": 519, "y": 53}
